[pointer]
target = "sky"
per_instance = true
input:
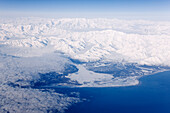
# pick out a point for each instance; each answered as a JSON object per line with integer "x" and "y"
{"x": 86, "y": 8}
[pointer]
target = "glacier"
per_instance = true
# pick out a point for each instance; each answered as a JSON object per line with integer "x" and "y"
{"x": 36, "y": 53}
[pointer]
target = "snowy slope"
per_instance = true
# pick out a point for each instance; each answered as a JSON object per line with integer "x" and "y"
{"x": 142, "y": 42}
{"x": 76, "y": 52}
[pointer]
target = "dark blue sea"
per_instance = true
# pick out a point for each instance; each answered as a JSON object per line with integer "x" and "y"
{"x": 152, "y": 95}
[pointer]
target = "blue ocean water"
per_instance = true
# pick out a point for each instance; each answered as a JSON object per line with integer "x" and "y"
{"x": 152, "y": 95}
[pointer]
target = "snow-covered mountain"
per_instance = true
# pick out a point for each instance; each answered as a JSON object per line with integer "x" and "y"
{"x": 142, "y": 42}
{"x": 76, "y": 52}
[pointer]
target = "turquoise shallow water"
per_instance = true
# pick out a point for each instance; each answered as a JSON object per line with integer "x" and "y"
{"x": 152, "y": 95}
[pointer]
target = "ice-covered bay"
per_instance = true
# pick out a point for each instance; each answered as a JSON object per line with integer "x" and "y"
{"x": 91, "y": 79}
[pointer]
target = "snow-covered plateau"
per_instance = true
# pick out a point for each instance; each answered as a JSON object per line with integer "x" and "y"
{"x": 75, "y": 52}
